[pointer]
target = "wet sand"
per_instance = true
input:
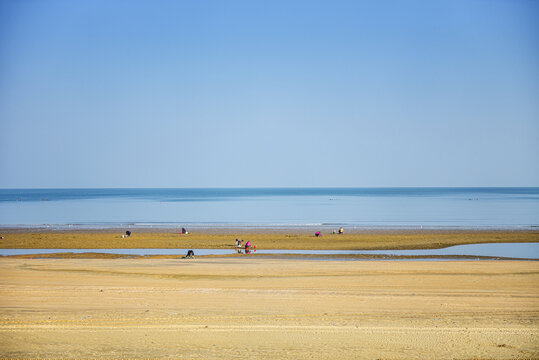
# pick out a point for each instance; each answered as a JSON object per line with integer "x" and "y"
{"x": 285, "y": 239}
{"x": 245, "y": 308}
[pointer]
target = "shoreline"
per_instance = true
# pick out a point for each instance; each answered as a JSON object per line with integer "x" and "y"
{"x": 259, "y": 228}
{"x": 307, "y": 229}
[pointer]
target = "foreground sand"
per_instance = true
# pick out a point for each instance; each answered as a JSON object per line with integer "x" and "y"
{"x": 240, "y": 308}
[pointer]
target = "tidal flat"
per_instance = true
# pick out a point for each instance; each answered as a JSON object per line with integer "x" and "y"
{"x": 285, "y": 239}
{"x": 106, "y": 306}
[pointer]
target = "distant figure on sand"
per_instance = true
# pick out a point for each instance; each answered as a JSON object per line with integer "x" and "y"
{"x": 248, "y": 247}
{"x": 184, "y": 231}
{"x": 238, "y": 245}
{"x": 128, "y": 233}
{"x": 318, "y": 233}
{"x": 190, "y": 254}
{"x": 341, "y": 231}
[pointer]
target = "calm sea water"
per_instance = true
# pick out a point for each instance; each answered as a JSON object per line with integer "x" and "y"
{"x": 273, "y": 207}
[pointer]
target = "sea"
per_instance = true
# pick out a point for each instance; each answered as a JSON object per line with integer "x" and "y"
{"x": 352, "y": 208}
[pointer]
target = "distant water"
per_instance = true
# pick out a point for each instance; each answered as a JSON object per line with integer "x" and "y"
{"x": 273, "y": 207}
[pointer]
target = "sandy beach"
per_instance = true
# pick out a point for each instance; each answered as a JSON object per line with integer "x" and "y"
{"x": 244, "y": 308}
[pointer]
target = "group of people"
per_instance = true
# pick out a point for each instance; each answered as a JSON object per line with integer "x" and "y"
{"x": 247, "y": 246}
{"x": 318, "y": 233}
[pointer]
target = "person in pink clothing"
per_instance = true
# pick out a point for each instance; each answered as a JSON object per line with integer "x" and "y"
{"x": 248, "y": 247}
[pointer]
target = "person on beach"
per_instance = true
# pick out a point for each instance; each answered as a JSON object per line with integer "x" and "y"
{"x": 184, "y": 231}
{"x": 128, "y": 233}
{"x": 238, "y": 245}
{"x": 248, "y": 247}
{"x": 190, "y": 254}
{"x": 341, "y": 231}
{"x": 317, "y": 234}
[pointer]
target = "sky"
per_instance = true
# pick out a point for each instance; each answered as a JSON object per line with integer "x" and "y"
{"x": 281, "y": 93}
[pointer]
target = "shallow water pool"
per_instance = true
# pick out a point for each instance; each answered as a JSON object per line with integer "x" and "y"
{"x": 505, "y": 250}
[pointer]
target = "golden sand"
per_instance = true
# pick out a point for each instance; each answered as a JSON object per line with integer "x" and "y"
{"x": 255, "y": 308}
{"x": 427, "y": 239}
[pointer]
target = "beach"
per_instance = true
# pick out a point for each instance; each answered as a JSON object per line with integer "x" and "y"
{"x": 246, "y": 307}
{"x": 95, "y": 305}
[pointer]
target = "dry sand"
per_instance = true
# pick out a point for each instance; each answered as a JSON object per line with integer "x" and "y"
{"x": 248, "y": 308}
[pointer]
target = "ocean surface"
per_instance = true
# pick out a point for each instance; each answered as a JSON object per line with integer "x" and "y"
{"x": 500, "y": 208}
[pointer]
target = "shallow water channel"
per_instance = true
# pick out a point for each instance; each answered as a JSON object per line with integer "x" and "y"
{"x": 502, "y": 250}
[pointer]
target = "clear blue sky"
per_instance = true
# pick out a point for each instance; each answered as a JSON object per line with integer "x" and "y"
{"x": 160, "y": 93}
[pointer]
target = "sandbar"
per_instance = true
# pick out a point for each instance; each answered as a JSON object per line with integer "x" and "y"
{"x": 264, "y": 239}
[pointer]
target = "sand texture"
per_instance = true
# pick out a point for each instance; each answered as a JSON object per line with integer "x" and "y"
{"x": 257, "y": 308}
